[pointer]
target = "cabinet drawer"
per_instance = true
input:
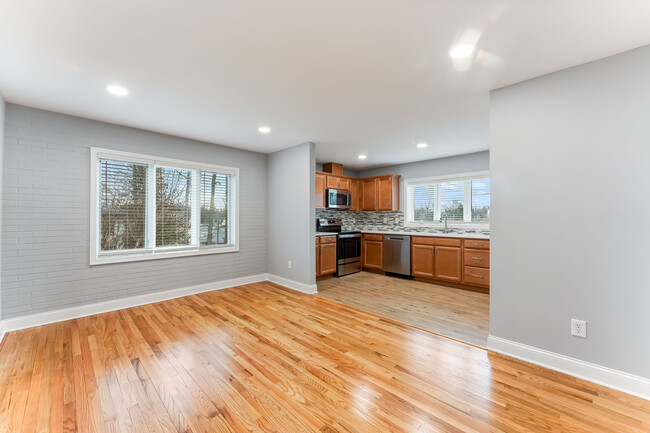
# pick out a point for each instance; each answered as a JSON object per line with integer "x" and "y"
{"x": 478, "y": 258}
{"x": 327, "y": 240}
{"x": 371, "y": 237}
{"x": 431, "y": 240}
{"x": 482, "y": 244}
{"x": 477, "y": 276}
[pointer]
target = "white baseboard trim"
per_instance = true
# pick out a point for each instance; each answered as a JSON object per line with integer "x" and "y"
{"x": 295, "y": 285}
{"x": 615, "y": 379}
{"x": 48, "y": 317}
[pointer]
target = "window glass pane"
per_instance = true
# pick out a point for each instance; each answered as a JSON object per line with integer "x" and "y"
{"x": 481, "y": 200}
{"x": 451, "y": 200}
{"x": 214, "y": 196}
{"x": 122, "y": 205}
{"x": 173, "y": 206}
{"x": 423, "y": 202}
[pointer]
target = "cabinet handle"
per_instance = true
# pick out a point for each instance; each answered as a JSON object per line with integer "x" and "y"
{"x": 389, "y": 202}
{"x": 478, "y": 244}
{"x": 434, "y": 250}
{"x": 477, "y": 258}
{"x": 477, "y": 276}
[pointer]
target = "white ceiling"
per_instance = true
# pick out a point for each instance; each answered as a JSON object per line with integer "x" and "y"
{"x": 371, "y": 76}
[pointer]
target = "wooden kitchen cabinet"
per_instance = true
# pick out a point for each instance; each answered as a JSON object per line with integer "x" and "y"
{"x": 368, "y": 193}
{"x": 338, "y": 182}
{"x": 325, "y": 255}
{"x": 319, "y": 197}
{"x": 439, "y": 259}
{"x": 355, "y": 193}
{"x": 372, "y": 252}
{"x": 422, "y": 260}
{"x": 381, "y": 193}
{"x": 447, "y": 263}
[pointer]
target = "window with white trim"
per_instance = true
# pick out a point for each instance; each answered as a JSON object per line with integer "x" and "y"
{"x": 462, "y": 198}
{"x": 145, "y": 208}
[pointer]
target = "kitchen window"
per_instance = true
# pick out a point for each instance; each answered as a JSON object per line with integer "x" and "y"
{"x": 145, "y": 208}
{"x": 464, "y": 199}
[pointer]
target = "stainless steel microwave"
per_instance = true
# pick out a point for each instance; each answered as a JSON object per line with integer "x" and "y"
{"x": 338, "y": 198}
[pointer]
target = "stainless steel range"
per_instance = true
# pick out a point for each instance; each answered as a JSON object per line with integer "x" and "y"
{"x": 348, "y": 246}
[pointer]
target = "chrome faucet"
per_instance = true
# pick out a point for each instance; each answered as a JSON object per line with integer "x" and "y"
{"x": 444, "y": 216}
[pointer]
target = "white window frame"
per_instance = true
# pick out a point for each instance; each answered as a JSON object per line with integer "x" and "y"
{"x": 467, "y": 203}
{"x": 150, "y": 252}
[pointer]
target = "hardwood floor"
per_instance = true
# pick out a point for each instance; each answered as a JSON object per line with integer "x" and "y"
{"x": 262, "y": 358}
{"x": 456, "y": 313}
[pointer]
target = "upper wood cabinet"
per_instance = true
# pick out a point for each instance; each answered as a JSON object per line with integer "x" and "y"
{"x": 381, "y": 193}
{"x": 319, "y": 197}
{"x": 368, "y": 194}
{"x": 338, "y": 182}
{"x": 355, "y": 192}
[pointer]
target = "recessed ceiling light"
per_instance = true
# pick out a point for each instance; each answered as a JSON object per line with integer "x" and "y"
{"x": 264, "y": 129}
{"x": 421, "y": 145}
{"x": 362, "y": 156}
{"x": 116, "y": 90}
{"x": 461, "y": 51}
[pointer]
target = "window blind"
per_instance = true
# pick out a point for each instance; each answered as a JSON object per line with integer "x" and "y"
{"x": 481, "y": 200}
{"x": 173, "y": 207}
{"x": 215, "y": 191}
{"x": 424, "y": 198}
{"x": 452, "y": 200}
{"x": 122, "y": 205}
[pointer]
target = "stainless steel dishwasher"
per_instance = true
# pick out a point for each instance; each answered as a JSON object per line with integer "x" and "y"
{"x": 397, "y": 254}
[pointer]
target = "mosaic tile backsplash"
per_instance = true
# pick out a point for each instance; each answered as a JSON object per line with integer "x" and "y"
{"x": 373, "y": 221}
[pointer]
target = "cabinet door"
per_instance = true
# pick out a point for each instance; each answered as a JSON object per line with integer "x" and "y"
{"x": 372, "y": 254}
{"x": 385, "y": 193}
{"x": 369, "y": 194}
{"x": 422, "y": 261}
{"x": 317, "y": 260}
{"x": 333, "y": 182}
{"x": 327, "y": 259}
{"x": 355, "y": 195}
{"x": 344, "y": 184}
{"x": 319, "y": 197}
{"x": 447, "y": 263}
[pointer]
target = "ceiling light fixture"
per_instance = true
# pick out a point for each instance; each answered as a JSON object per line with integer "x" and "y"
{"x": 116, "y": 90}
{"x": 362, "y": 156}
{"x": 264, "y": 129}
{"x": 461, "y": 51}
{"x": 421, "y": 145}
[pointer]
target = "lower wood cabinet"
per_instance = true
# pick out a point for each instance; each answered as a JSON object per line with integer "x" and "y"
{"x": 372, "y": 251}
{"x": 325, "y": 255}
{"x": 451, "y": 260}
{"x": 447, "y": 263}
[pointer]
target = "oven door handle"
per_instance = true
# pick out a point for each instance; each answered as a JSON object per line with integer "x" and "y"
{"x": 349, "y": 236}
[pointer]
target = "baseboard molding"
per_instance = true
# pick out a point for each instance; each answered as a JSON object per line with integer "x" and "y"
{"x": 295, "y": 285}
{"x": 39, "y": 319}
{"x": 615, "y": 379}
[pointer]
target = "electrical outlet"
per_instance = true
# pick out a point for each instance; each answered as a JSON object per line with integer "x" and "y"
{"x": 579, "y": 328}
{"x": 289, "y": 264}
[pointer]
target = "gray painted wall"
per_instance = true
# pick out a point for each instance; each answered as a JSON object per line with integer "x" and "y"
{"x": 569, "y": 164}
{"x": 46, "y": 214}
{"x": 468, "y": 163}
{"x": 291, "y": 222}
{"x": 2, "y": 146}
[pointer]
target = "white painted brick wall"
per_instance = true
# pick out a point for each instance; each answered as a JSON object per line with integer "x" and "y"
{"x": 46, "y": 200}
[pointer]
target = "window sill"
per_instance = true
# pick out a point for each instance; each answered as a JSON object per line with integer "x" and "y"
{"x": 139, "y": 256}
